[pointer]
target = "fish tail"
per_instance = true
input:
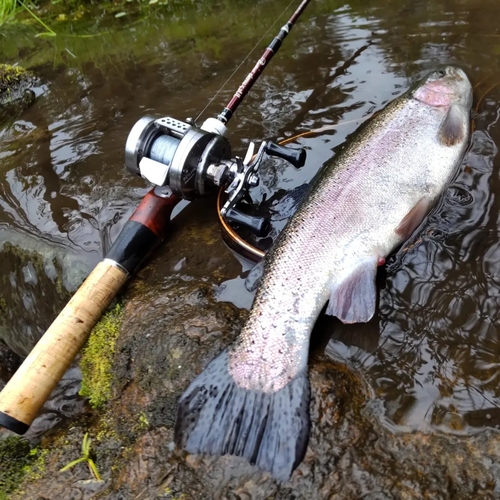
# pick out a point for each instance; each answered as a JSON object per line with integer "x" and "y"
{"x": 218, "y": 417}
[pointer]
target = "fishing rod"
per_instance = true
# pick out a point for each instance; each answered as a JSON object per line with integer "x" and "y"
{"x": 183, "y": 161}
{"x": 259, "y": 67}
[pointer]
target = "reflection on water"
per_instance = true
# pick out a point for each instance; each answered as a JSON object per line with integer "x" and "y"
{"x": 432, "y": 353}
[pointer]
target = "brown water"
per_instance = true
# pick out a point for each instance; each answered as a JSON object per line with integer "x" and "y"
{"x": 432, "y": 354}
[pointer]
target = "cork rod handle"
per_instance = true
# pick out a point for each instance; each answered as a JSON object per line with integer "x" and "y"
{"x": 31, "y": 385}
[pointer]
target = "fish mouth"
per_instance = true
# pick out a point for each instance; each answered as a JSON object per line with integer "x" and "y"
{"x": 451, "y": 72}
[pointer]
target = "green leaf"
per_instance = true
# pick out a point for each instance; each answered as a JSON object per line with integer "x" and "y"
{"x": 86, "y": 445}
{"x": 93, "y": 469}
{"x": 72, "y": 464}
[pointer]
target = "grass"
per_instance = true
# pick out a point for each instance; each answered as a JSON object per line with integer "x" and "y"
{"x": 7, "y": 9}
{"x": 85, "y": 457}
{"x": 48, "y": 32}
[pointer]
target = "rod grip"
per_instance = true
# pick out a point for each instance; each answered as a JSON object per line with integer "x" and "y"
{"x": 29, "y": 388}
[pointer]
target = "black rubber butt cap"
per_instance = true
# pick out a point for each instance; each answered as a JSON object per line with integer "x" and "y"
{"x": 13, "y": 424}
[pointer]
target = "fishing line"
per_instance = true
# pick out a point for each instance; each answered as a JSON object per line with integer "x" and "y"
{"x": 244, "y": 60}
{"x": 484, "y": 95}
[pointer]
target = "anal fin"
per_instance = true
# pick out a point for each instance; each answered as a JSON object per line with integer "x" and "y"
{"x": 413, "y": 219}
{"x": 354, "y": 299}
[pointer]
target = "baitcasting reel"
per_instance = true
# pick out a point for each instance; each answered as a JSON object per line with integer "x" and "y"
{"x": 193, "y": 161}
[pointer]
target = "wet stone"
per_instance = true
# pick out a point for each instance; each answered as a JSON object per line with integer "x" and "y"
{"x": 9, "y": 362}
{"x": 16, "y": 92}
{"x": 351, "y": 455}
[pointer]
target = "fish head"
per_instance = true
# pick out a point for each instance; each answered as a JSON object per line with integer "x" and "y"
{"x": 445, "y": 87}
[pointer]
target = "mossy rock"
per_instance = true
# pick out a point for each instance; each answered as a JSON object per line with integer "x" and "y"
{"x": 16, "y": 92}
{"x": 16, "y": 456}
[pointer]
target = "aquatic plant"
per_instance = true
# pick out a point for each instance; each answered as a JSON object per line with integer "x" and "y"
{"x": 85, "y": 458}
{"x": 48, "y": 31}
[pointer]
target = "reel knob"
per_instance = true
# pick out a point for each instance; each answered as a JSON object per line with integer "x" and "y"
{"x": 258, "y": 225}
{"x": 297, "y": 157}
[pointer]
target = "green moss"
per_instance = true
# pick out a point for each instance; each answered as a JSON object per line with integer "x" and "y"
{"x": 15, "y": 90}
{"x": 18, "y": 461}
{"x": 97, "y": 359}
{"x": 36, "y": 469}
{"x": 143, "y": 421}
{"x": 172, "y": 496}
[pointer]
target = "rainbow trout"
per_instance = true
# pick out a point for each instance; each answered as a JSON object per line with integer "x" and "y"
{"x": 253, "y": 399}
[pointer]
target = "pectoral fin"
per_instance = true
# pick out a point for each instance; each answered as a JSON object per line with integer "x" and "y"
{"x": 413, "y": 219}
{"x": 454, "y": 127}
{"x": 354, "y": 299}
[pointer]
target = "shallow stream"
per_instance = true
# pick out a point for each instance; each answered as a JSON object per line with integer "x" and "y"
{"x": 432, "y": 354}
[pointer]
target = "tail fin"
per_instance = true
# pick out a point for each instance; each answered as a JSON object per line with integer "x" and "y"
{"x": 218, "y": 417}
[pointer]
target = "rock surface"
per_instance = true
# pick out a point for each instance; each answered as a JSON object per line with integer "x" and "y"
{"x": 172, "y": 327}
{"x": 16, "y": 92}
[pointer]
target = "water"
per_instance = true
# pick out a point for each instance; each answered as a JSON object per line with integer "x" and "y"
{"x": 432, "y": 354}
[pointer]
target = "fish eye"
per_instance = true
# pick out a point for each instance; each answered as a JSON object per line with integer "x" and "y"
{"x": 441, "y": 73}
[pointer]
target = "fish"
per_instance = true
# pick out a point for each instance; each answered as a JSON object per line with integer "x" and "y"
{"x": 253, "y": 399}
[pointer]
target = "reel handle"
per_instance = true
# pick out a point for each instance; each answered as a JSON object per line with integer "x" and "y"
{"x": 258, "y": 225}
{"x": 297, "y": 157}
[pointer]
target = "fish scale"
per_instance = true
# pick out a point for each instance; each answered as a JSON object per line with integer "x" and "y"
{"x": 366, "y": 202}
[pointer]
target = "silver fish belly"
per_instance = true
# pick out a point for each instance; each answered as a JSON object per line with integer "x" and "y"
{"x": 253, "y": 399}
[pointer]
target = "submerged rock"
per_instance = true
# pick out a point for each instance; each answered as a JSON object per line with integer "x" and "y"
{"x": 34, "y": 286}
{"x": 16, "y": 92}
